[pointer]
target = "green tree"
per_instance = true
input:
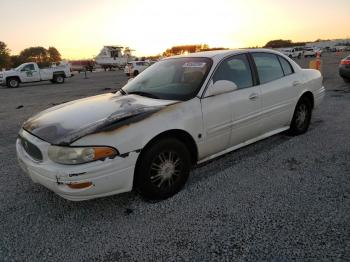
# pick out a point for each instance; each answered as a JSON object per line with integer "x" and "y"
{"x": 16, "y": 60}
{"x": 54, "y": 55}
{"x": 5, "y": 61}
{"x": 282, "y": 43}
{"x": 36, "y": 54}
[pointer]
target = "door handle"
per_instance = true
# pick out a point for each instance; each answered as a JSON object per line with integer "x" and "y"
{"x": 296, "y": 83}
{"x": 254, "y": 96}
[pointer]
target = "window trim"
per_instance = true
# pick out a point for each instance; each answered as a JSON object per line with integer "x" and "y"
{"x": 255, "y": 80}
{"x": 279, "y": 60}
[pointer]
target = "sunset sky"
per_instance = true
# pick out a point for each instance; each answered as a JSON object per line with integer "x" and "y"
{"x": 79, "y": 28}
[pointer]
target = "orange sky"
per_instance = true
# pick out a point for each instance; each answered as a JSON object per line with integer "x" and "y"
{"x": 79, "y": 29}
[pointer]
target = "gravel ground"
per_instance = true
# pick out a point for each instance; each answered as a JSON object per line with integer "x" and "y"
{"x": 284, "y": 198}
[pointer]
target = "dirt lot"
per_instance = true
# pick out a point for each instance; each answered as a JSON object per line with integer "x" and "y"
{"x": 284, "y": 198}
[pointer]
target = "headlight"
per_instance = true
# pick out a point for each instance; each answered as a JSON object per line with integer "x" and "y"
{"x": 79, "y": 155}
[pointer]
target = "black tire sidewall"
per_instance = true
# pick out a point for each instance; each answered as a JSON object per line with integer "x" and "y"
{"x": 294, "y": 129}
{"x": 9, "y": 85}
{"x": 56, "y": 77}
{"x": 142, "y": 180}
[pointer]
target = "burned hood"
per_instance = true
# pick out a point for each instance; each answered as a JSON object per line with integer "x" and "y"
{"x": 68, "y": 122}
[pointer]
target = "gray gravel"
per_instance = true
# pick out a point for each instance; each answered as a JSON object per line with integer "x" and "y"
{"x": 281, "y": 199}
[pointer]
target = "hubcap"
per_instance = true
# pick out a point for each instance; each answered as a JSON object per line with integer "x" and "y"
{"x": 301, "y": 115}
{"x": 59, "y": 79}
{"x": 13, "y": 83}
{"x": 165, "y": 169}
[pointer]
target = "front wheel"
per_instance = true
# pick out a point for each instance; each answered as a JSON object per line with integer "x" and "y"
{"x": 301, "y": 117}
{"x": 162, "y": 169}
{"x": 13, "y": 83}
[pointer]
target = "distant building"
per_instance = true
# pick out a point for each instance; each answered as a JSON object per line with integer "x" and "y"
{"x": 329, "y": 44}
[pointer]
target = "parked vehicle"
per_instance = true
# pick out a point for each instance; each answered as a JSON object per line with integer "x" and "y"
{"x": 293, "y": 52}
{"x": 82, "y": 65}
{"x": 309, "y": 52}
{"x": 344, "y": 69}
{"x": 114, "y": 57}
{"x": 135, "y": 67}
{"x": 181, "y": 111}
{"x": 30, "y": 72}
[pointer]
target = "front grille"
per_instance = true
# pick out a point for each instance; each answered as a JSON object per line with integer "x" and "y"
{"x": 31, "y": 149}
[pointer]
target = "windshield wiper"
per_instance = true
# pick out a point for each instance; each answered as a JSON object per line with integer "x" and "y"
{"x": 122, "y": 91}
{"x": 140, "y": 93}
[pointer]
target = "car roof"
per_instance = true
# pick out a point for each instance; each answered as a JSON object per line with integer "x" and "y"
{"x": 223, "y": 53}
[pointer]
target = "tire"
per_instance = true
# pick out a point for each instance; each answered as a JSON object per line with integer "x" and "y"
{"x": 135, "y": 73}
{"x": 346, "y": 80}
{"x": 301, "y": 117}
{"x": 59, "y": 79}
{"x": 12, "y": 82}
{"x": 162, "y": 169}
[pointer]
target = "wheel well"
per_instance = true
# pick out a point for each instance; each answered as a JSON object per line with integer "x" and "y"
{"x": 59, "y": 74}
{"x": 309, "y": 96}
{"x": 13, "y": 77}
{"x": 182, "y": 136}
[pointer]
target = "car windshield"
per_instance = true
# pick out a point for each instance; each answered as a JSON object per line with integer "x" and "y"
{"x": 171, "y": 79}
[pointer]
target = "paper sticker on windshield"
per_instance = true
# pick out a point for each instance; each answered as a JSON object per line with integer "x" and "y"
{"x": 194, "y": 65}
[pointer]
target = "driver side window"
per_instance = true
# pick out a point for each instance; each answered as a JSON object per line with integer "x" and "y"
{"x": 235, "y": 69}
{"x": 29, "y": 67}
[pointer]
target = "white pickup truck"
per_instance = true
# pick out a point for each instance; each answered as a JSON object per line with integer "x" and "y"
{"x": 30, "y": 72}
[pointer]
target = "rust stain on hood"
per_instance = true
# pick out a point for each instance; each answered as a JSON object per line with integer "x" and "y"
{"x": 66, "y": 123}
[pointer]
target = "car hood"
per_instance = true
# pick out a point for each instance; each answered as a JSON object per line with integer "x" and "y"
{"x": 8, "y": 72}
{"x": 68, "y": 122}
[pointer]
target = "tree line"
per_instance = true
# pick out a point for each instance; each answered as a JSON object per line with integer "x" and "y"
{"x": 42, "y": 56}
{"x": 182, "y": 49}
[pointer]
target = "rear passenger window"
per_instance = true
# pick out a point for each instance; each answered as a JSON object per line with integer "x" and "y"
{"x": 268, "y": 66}
{"x": 287, "y": 68}
{"x": 235, "y": 69}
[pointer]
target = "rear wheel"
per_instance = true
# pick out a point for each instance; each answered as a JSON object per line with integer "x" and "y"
{"x": 302, "y": 117}
{"x": 136, "y": 73}
{"x": 346, "y": 80}
{"x": 163, "y": 169}
{"x": 13, "y": 82}
{"x": 59, "y": 79}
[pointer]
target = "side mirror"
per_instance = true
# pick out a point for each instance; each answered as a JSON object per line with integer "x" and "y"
{"x": 220, "y": 87}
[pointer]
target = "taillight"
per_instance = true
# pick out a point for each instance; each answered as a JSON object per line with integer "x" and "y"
{"x": 345, "y": 62}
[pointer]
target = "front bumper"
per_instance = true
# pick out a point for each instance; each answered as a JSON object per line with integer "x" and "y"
{"x": 108, "y": 177}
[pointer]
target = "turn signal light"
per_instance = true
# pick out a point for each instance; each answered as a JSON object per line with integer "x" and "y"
{"x": 79, "y": 185}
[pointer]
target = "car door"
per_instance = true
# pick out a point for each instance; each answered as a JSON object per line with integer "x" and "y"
{"x": 230, "y": 119}
{"x": 278, "y": 84}
{"x": 29, "y": 73}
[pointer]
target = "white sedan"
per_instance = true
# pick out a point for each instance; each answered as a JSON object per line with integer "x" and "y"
{"x": 181, "y": 111}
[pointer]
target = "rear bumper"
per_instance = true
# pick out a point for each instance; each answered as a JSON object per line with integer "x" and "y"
{"x": 108, "y": 177}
